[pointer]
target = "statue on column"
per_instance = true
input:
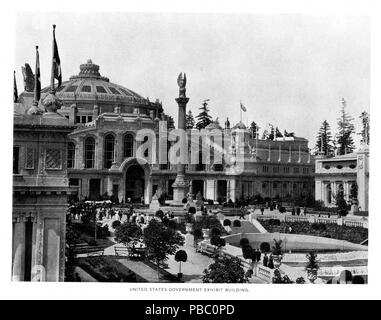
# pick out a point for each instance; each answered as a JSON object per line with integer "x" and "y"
{"x": 182, "y": 81}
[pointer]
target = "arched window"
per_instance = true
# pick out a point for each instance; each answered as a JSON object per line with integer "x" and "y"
{"x": 128, "y": 146}
{"x": 109, "y": 151}
{"x": 70, "y": 155}
{"x": 89, "y": 152}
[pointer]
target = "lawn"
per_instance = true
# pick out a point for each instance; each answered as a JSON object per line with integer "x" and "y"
{"x": 334, "y": 231}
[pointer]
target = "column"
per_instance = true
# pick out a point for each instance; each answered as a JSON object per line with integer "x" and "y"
{"x": 210, "y": 189}
{"x": 345, "y": 189}
{"x": 232, "y": 190}
{"x": 180, "y": 186}
{"x": 99, "y": 151}
{"x": 79, "y": 154}
{"x": 120, "y": 146}
{"x": 109, "y": 185}
{"x": 18, "y": 250}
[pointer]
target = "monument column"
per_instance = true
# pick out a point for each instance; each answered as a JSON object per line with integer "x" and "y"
{"x": 180, "y": 186}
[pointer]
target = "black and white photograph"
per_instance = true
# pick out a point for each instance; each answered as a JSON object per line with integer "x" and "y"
{"x": 190, "y": 148}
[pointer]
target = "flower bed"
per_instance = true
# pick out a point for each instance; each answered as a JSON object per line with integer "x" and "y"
{"x": 334, "y": 231}
{"x": 107, "y": 269}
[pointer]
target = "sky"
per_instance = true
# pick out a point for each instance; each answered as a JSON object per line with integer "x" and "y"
{"x": 288, "y": 70}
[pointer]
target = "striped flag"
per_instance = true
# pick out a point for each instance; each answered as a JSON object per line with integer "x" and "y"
{"x": 243, "y": 108}
{"x": 15, "y": 93}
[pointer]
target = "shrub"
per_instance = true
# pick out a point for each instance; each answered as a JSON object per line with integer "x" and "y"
{"x": 277, "y": 248}
{"x": 115, "y": 224}
{"x": 181, "y": 255}
{"x": 274, "y": 222}
{"x": 282, "y": 209}
{"x": 215, "y": 232}
{"x": 312, "y": 261}
{"x": 172, "y": 224}
{"x": 184, "y": 201}
{"x": 244, "y": 242}
{"x": 159, "y": 214}
{"x": 278, "y": 278}
{"x": 247, "y": 252}
{"x": 300, "y": 280}
{"x": 236, "y": 223}
{"x": 265, "y": 247}
{"x": 217, "y": 241}
{"x": 318, "y": 226}
{"x": 197, "y": 233}
{"x": 192, "y": 210}
{"x": 227, "y": 223}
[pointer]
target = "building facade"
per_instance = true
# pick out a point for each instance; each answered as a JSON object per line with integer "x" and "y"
{"x": 347, "y": 174}
{"x": 102, "y": 150}
{"x": 40, "y": 191}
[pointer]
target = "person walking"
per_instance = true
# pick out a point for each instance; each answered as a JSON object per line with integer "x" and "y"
{"x": 262, "y": 210}
{"x": 242, "y": 213}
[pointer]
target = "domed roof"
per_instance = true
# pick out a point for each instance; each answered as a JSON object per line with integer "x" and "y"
{"x": 240, "y": 125}
{"x": 90, "y": 85}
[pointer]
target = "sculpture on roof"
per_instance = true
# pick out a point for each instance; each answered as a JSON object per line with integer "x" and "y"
{"x": 28, "y": 77}
{"x": 182, "y": 81}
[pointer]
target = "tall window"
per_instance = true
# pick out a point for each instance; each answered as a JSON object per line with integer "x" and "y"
{"x": 16, "y": 151}
{"x": 89, "y": 152}
{"x": 128, "y": 146}
{"x": 109, "y": 151}
{"x": 70, "y": 155}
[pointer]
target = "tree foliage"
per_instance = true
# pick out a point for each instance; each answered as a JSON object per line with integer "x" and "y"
{"x": 346, "y": 128}
{"x": 253, "y": 130}
{"x": 189, "y": 120}
{"x": 128, "y": 233}
{"x": 161, "y": 241}
{"x": 225, "y": 270}
{"x": 203, "y": 118}
{"x": 324, "y": 140}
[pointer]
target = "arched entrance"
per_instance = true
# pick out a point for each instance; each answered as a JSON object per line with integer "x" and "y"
{"x": 135, "y": 185}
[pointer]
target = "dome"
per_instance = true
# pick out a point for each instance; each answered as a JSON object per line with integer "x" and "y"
{"x": 240, "y": 125}
{"x": 89, "y": 87}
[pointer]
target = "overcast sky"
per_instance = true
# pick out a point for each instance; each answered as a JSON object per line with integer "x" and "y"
{"x": 288, "y": 70}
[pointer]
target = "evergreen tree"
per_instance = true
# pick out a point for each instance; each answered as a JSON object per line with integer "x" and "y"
{"x": 253, "y": 129}
{"x": 324, "y": 140}
{"x": 365, "y": 127}
{"x": 346, "y": 128}
{"x": 189, "y": 120}
{"x": 203, "y": 119}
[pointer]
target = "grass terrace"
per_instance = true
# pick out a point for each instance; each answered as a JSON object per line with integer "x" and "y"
{"x": 334, "y": 231}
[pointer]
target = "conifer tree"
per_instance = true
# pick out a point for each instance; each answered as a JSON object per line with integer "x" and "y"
{"x": 189, "y": 120}
{"x": 324, "y": 140}
{"x": 253, "y": 130}
{"x": 346, "y": 128}
{"x": 203, "y": 119}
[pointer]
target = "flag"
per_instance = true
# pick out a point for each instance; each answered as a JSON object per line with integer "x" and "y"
{"x": 243, "y": 108}
{"x": 56, "y": 60}
{"x": 37, "y": 78}
{"x": 15, "y": 93}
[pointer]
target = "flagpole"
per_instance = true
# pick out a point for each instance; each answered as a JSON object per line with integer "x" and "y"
{"x": 35, "y": 96}
{"x": 52, "y": 73}
{"x": 15, "y": 93}
{"x": 240, "y": 111}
